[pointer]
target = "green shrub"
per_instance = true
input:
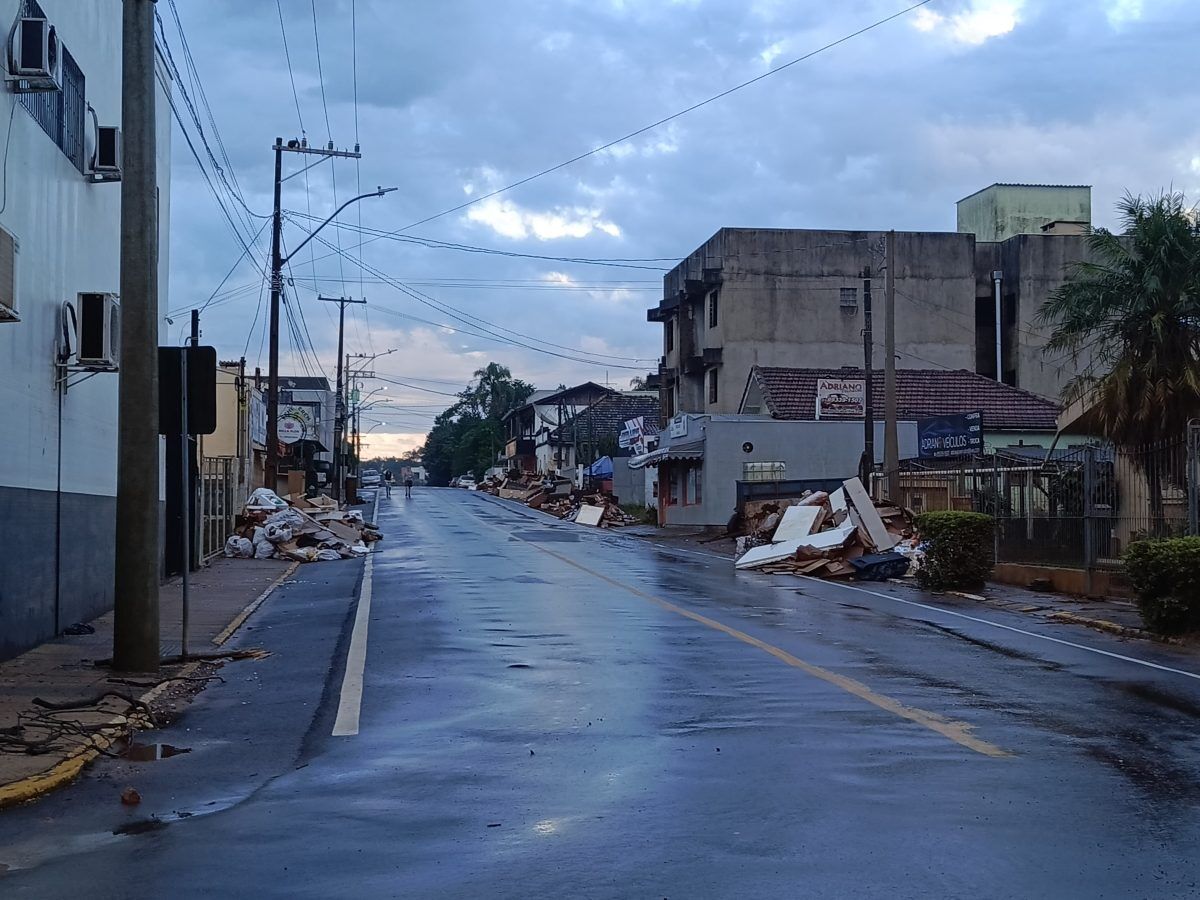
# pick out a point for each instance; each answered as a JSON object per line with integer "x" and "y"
{"x": 960, "y": 551}
{"x": 1166, "y": 576}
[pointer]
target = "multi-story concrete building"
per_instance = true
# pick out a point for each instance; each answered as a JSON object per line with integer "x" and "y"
{"x": 60, "y": 237}
{"x": 795, "y": 297}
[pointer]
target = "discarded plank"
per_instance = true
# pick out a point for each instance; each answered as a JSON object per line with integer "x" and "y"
{"x": 857, "y": 495}
{"x": 798, "y": 522}
{"x": 589, "y": 515}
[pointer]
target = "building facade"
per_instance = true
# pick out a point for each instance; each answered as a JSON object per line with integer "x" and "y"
{"x": 797, "y": 297}
{"x": 61, "y": 237}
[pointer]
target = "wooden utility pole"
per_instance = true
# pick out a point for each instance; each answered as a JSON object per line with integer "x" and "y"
{"x": 891, "y": 444}
{"x": 868, "y": 458}
{"x": 135, "y": 621}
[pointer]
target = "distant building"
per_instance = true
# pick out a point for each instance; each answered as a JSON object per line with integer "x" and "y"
{"x": 60, "y": 218}
{"x": 795, "y": 298}
{"x": 529, "y": 447}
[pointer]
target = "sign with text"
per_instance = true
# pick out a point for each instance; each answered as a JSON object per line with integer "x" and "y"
{"x": 632, "y": 436}
{"x": 296, "y": 423}
{"x": 841, "y": 398}
{"x": 947, "y": 437}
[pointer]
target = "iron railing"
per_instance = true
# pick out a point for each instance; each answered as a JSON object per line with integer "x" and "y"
{"x": 220, "y": 501}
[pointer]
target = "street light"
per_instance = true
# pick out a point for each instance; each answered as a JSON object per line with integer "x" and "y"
{"x": 277, "y": 263}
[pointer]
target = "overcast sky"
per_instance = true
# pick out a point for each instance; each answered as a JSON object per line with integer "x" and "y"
{"x": 459, "y": 97}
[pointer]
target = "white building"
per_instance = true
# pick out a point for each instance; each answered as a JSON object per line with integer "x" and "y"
{"x": 61, "y": 237}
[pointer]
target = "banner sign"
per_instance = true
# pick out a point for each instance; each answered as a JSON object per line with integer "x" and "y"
{"x": 947, "y": 437}
{"x": 296, "y": 423}
{"x": 632, "y": 436}
{"x": 841, "y": 398}
{"x": 258, "y": 418}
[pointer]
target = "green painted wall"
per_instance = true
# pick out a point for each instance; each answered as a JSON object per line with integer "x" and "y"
{"x": 1003, "y": 210}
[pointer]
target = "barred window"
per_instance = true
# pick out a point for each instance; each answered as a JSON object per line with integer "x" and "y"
{"x": 61, "y": 114}
{"x": 764, "y": 471}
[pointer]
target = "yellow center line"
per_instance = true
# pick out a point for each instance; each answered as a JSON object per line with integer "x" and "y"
{"x": 959, "y": 732}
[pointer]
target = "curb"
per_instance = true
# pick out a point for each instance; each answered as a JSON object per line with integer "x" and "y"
{"x": 68, "y": 769}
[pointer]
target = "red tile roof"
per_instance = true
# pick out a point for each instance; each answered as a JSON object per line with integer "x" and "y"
{"x": 792, "y": 394}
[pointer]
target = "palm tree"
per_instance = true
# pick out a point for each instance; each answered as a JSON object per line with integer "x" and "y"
{"x": 1133, "y": 309}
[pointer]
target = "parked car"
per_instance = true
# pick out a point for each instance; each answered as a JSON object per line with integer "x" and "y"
{"x": 467, "y": 481}
{"x": 454, "y": 481}
{"x": 370, "y": 478}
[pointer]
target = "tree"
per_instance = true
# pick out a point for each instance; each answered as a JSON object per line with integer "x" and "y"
{"x": 467, "y": 436}
{"x": 1134, "y": 307}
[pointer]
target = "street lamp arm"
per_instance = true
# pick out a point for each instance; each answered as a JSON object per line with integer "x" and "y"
{"x": 312, "y": 234}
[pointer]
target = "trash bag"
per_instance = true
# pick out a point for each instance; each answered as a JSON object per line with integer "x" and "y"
{"x": 239, "y": 548}
{"x": 277, "y": 534}
{"x": 264, "y": 550}
{"x": 289, "y": 517}
{"x": 328, "y": 555}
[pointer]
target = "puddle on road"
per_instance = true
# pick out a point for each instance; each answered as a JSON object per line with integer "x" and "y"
{"x": 152, "y": 752}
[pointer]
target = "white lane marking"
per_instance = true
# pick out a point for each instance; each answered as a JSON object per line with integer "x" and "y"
{"x": 350, "y": 701}
{"x": 1032, "y": 634}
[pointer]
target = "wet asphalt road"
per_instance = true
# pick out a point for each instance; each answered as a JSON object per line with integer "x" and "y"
{"x": 552, "y": 711}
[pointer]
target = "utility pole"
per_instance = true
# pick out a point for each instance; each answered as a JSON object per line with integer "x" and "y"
{"x": 339, "y": 415}
{"x": 135, "y": 623}
{"x": 272, "y": 460}
{"x": 891, "y": 443}
{"x": 868, "y": 458}
{"x": 271, "y": 465}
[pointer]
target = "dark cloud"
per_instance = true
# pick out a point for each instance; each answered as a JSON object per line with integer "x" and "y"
{"x": 885, "y": 131}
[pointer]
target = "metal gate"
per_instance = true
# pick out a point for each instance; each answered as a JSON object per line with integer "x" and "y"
{"x": 220, "y": 502}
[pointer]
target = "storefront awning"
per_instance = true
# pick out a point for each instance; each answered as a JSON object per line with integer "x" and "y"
{"x": 693, "y": 450}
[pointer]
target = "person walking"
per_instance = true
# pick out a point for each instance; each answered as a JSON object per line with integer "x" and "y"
{"x": 388, "y": 479}
{"x": 408, "y": 483}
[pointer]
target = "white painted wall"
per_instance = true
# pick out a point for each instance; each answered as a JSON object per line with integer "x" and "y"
{"x": 69, "y": 234}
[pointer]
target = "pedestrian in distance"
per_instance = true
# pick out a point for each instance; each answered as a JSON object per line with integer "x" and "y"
{"x": 408, "y": 483}
{"x": 388, "y": 479}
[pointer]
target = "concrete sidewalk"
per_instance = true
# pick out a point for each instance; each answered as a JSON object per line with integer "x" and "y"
{"x": 222, "y": 596}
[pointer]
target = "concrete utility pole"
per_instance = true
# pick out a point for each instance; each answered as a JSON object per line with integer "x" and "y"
{"x": 271, "y": 466}
{"x": 135, "y": 625}
{"x": 339, "y": 415}
{"x": 868, "y": 457}
{"x": 891, "y": 444}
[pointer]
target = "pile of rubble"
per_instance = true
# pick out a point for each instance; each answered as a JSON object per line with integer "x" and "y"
{"x": 559, "y": 498}
{"x": 825, "y": 535}
{"x": 309, "y": 530}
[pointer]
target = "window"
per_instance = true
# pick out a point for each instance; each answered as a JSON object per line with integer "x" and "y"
{"x": 764, "y": 471}
{"x": 712, "y": 385}
{"x": 713, "y": 299}
{"x": 849, "y": 299}
{"x": 60, "y": 113}
{"x": 689, "y": 488}
{"x": 670, "y": 403}
{"x": 669, "y": 329}
{"x": 673, "y": 485}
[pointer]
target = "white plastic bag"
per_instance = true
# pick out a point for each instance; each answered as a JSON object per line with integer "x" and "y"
{"x": 239, "y": 548}
{"x": 328, "y": 555}
{"x": 277, "y": 534}
{"x": 289, "y": 517}
{"x": 265, "y": 498}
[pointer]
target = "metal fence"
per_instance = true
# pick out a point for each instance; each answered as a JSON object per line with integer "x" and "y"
{"x": 220, "y": 502}
{"x": 1080, "y": 508}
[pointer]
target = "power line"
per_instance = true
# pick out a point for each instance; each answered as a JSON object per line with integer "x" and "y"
{"x": 288, "y": 56}
{"x": 666, "y": 119}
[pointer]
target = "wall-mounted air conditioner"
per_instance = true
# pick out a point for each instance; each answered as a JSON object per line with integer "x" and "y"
{"x": 106, "y": 157}
{"x": 34, "y": 56}
{"x": 99, "y": 331}
{"x": 8, "y": 277}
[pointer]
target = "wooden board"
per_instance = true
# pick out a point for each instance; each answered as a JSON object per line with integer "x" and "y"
{"x": 857, "y": 495}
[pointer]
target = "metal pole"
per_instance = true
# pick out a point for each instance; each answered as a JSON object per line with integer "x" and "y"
{"x": 339, "y": 423}
{"x": 185, "y": 508}
{"x": 135, "y": 621}
{"x": 868, "y": 458}
{"x": 891, "y": 442}
{"x": 997, "y": 277}
{"x": 271, "y": 473}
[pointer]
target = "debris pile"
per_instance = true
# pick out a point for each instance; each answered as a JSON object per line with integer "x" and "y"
{"x": 836, "y": 535}
{"x": 558, "y": 497}
{"x": 312, "y": 530}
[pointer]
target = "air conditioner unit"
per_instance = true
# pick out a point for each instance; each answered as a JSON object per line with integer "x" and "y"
{"x": 34, "y": 56}
{"x": 99, "y": 331}
{"x": 106, "y": 158}
{"x": 8, "y": 277}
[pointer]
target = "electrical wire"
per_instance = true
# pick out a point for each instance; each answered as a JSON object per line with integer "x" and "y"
{"x": 291, "y": 74}
{"x": 695, "y": 106}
